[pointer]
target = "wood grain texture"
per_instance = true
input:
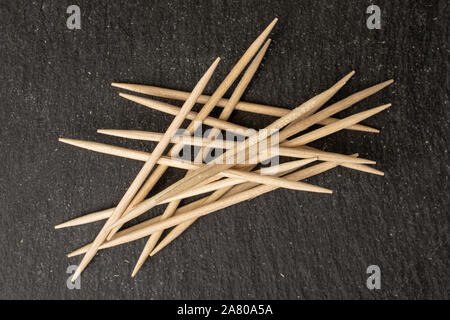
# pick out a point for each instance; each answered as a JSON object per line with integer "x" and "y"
{"x": 56, "y": 82}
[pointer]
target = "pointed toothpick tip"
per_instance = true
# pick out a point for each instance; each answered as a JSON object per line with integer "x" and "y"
{"x": 348, "y": 76}
{"x": 383, "y": 107}
{"x": 73, "y": 142}
{"x": 140, "y": 262}
{"x": 76, "y": 275}
{"x": 271, "y": 25}
{"x": 72, "y": 254}
{"x": 326, "y": 190}
{"x": 384, "y": 84}
{"x": 135, "y": 271}
{"x": 125, "y": 86}
{"x": 125, "y": 95}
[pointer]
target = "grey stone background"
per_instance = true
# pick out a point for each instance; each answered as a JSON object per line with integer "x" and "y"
{"x": 285, "y": 245}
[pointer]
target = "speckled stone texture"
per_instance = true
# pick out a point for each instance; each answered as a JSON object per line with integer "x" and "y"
{"x": 285, "y": 245}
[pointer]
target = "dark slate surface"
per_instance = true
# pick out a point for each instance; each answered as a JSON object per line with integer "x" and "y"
{"x": 285, "y": 245}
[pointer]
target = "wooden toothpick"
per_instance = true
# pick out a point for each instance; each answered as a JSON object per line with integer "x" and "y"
{"x": 167, "y": 161}
{"x": 186, "y": 213}
{"x": 173, "y": 110}
{"x": 148, "y": 166}
{"x": 204, "y": 112}
{"x": 334, "y": 127}
{"x": 182, "y": 95}
{"x": 224, "y": 115}
{"x": 217, "y": 123}
{"x": 229, "y": 180}
{"x": 284, "y": 168}
{"x": 282, "y": 151}
{"x": 331, "y": 110}
{"x": 226, "y": 160}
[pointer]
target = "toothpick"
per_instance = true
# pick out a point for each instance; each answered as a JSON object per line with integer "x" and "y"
{"x": 185, "y": 213}
{"x": 354, "y": 127}
{"x": 282, "y": 151}
{"x": 146, "y": 169}
{"x": 173, "y": 110}
{"x": 224, "y": 115}
{"x": 354, "y": 166}
{"x": 182, "y": 95}
{"x": 352, "y": 99}
{"x": 253, "y": 177}
{"x": 214, "y": 167}
{"x": 204, "y": 112}
{"x": 351, "y": 102}
{"x": 334, "y": 127}
{"x": 217, "y": 123}
{"x": 334, "y": 124}
{"x": 331, "y": 110}
{"x": 243, "y": 106}
{"x": 143, "y": 156}
{"x": 189, "y": 207}
{"x": 235, "y": 176}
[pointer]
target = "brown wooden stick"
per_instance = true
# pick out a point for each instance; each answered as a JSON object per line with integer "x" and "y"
{"x": 204, "y": 112}
{"x": 185, "y": 208}
{"x": 331, "y": 110}
{"x": 355, "y": 127}
{"x": 173, "y": 110}
{"x": 146, "y": 169}
{"x": 175, "y": 232}
{"x": 299, "y": 152}
{"x": 141, "y": 206}
{"x": 223, "y": 125}
{"x": 302, "y": 152}
{"x": 354, "y": 166}
{"x": 306, "y": 138}
{"x": 302, "y": 125}
{"x": 143, "y": 156}
{"x": 186, "y": 213}
{"x": 334, "y": 127}
{"x": 225, "y": 114}
{"x": 226, "y": 160}
{"x": 182, "y": 95}
{"x": 236, "y": 176}
{"x": 244, "y": 106}
{"x": 241, "y": 177}
{"x": 350, "y": 100}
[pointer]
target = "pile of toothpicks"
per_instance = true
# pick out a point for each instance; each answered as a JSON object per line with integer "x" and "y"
{"x": 235, "y": 173}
